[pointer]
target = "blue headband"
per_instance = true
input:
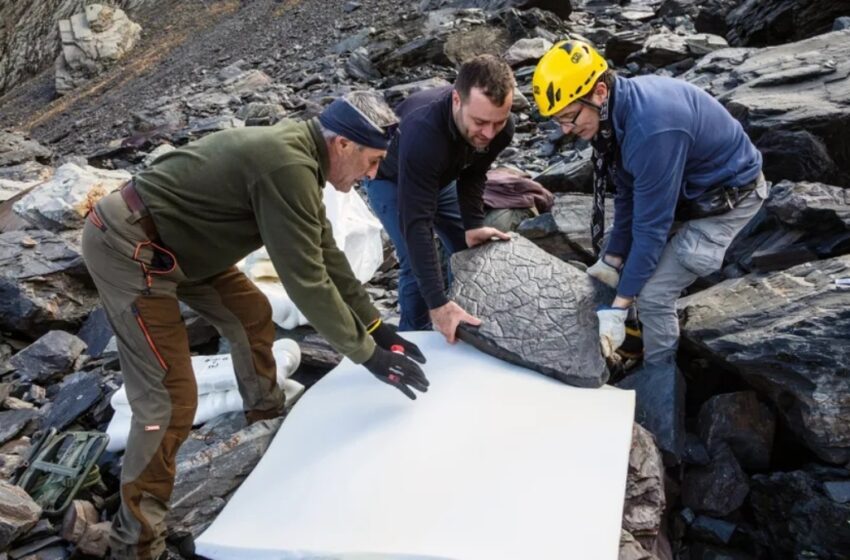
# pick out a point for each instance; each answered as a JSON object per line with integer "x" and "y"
{"x": 345, "y": 119}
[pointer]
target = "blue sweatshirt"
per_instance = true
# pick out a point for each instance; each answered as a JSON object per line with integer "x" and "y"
{"x": 675, "y": 140}
{"x": 424, "y": 157}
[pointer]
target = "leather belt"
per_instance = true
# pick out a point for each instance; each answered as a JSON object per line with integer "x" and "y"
{"x": 134, "y": 203}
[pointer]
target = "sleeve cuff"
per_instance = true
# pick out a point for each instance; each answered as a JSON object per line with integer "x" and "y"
{"x": 364, "y": 352}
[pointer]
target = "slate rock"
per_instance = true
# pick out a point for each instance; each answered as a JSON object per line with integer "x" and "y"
{"x": 623, "y": 43}
{"x": 43, "y": 283}
{"x": 18, "y": 513}
{"x": 797, "y": 519}
{"x": 796, "y": 155}
{"x": 53, "y": 354}
{"x": 800, "y": 222}
{"x": 96, "y": 332}
{"x": 12, "y": 422}
{"x": 763, "y": 327}
{"x": 759, "y": 23}
{"x": 421, "y": 50}
{"x": 711, "y": 530}
{"x": 645, "y": 498}
{"x": 398, "y": 93}
{"x": 573, "y": 175}
{"x": 360, "y": 67}
{"x": 213, "y": 464}
{"x": 77, "y": 393}
{"x": 354, "y": 41}
{"x": 717, "y": 489}
{"x": 536, "y": 310}
{"x": 743, "y": 422}
{"x": 839, "y": 491}
{"x": 16, "y": 148}
{"x": 801, "y": 86}
{"x": 660, "y": 406}
{"x": 527, "y": 51}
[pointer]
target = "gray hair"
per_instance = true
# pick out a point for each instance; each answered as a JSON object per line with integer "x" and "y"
{"x": 371, "y": 105}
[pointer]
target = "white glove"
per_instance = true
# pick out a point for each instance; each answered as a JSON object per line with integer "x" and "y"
{"x": 612, "y": 328}
{"x": 605, "y": 273}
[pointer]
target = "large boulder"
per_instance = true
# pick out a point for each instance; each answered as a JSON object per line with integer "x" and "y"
{"x": 536, "y": 310}
{"x": 92, "y": 42}
{"x": 786, "y": 334}
{"x": 779, "y": 92}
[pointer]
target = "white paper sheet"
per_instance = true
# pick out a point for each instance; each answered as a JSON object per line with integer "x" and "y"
{"x": 494, "y": 462}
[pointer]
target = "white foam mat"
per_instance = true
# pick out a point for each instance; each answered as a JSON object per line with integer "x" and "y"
{"x": 494, "y": 462}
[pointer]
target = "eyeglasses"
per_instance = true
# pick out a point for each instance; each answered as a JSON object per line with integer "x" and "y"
{"x": 572, "y": 122}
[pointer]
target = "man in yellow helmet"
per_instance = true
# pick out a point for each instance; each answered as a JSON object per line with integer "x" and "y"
{"x": 686, "y": 178}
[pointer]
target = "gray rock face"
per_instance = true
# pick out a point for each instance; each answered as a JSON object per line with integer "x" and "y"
{"x": 43, "y": 283}
{"x": 786, "y": 333}
{"x": 802, "y": 86}
{"x": 741, "y": 421}
{"x": 536, "y": 311}
{"x": 92, "y": 41}
{"x": 660, "y": 406}
{"x": 214, "y": 462}
{"x": 645, "y": 499}
{"x": 18, "y": 513}
{"x": 53, "y": 354}
{"x": 759, "y": 23}
{"x": 717, "y": 489}
{"x": 798, "y": 519}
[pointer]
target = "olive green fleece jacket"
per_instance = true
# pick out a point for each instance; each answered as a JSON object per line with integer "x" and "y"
{"x": 216, "y": 200}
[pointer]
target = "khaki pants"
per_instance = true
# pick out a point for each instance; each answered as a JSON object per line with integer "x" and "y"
{"x": 697, "y": 249}
{"x": 139, "y": 283}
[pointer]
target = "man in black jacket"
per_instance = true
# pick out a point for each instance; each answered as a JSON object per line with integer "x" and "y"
{"x": 433, "y": 179}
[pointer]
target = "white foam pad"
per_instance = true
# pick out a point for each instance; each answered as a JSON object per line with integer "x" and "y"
{"x": 494, "y": 462}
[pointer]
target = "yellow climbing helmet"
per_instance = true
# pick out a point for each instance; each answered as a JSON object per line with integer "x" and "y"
{"x": 564, "y": 74}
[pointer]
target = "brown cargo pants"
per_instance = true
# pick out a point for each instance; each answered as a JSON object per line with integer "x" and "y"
{"x": 140, "y": 283}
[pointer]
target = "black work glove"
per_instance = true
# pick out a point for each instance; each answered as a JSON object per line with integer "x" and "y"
{"x": 386, "y": 337}
{"x": 397, "y": 370}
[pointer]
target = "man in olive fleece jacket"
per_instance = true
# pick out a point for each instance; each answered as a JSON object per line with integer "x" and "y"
{"x": 175, "y": 233}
